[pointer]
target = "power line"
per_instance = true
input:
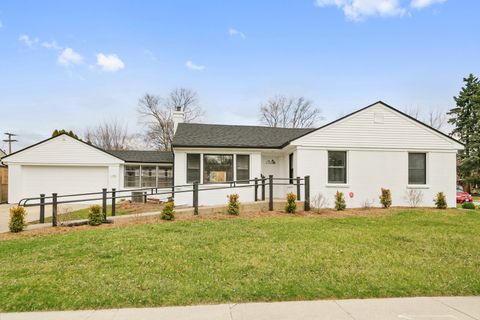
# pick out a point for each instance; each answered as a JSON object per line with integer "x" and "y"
{"x": 10, "y": 140}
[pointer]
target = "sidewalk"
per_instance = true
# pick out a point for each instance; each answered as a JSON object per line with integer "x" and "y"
{"x": 438, "y": 308}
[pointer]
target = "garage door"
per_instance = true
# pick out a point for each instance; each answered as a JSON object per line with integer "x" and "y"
{"x": 62, "y": 180}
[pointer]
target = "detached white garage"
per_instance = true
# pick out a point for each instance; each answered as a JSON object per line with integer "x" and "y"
{"x": 62, "y": 165}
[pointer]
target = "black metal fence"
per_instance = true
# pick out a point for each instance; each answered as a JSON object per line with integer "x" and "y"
{"x": 113, "y": 195}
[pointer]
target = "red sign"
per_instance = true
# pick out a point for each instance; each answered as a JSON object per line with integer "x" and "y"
{"x": 351, "y": 194}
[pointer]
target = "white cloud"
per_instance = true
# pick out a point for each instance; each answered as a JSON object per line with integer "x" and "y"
{"x": 26, "y": 40}
{"x": 234, "y": 32}
{"x": 51, "y": 45}
{"x": 359, "y": 10}
{"x": 110, "y": 63}
{"x": 192, "y": 66}
{"x": 69, "y": 57}
{"x": 420, "y": 4}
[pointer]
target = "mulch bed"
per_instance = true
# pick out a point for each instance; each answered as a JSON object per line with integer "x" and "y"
{"x": 319, "y": 214}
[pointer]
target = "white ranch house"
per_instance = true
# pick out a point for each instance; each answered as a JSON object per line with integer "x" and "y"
{"x": 374, "y": 147}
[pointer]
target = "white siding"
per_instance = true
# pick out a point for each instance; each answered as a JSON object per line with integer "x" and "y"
{"x": 63, "y": 150}
{"x": 62, "y": 165}
{"x": 391, "y": 130}
{"x": 370, "y": 170}
{"x": 214, "y": 197}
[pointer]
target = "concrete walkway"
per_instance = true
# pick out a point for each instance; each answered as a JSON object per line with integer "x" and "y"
{"x": 439, "y": 308}
{"x": 33, "y": 213}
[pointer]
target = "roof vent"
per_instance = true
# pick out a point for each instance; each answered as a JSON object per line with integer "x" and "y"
{"x": 378, "y": 117}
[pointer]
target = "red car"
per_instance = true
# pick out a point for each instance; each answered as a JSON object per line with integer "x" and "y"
{"x": 463, "y": 196}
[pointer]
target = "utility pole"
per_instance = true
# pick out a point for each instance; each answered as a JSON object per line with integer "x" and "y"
{"x": 10, "y": 140}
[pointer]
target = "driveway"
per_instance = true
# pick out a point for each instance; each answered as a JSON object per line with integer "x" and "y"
{"x": 33, "y": 213}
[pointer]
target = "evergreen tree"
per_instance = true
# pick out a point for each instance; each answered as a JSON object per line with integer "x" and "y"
{"x": 63, "y": 131}
{"x": 466, "y": 119}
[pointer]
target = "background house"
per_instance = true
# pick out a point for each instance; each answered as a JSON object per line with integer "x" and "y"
{"x": 66, "y": 165}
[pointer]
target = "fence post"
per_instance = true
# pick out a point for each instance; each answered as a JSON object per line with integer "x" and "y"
{"x": 263, "y": 187}
{"x": 145, "y": 197}
{"x": 42, "y": 208}
{"x": 104, "y": 203}
{"x": 256, "y": 189}
{"x": 270, "y": 193}
{"x": 113, "y": 201}
{"x": 298, "y": 188}
{"x": 195, "y": 198}
{"x": 307, "y": 193}
{"x": 54, "y": 209}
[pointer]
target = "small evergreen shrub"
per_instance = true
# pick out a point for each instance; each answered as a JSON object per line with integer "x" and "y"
{"x": 95, "y": 216}
{"x": 17, "y": 219}
{"x": 168, "y": 211}
{"x": 233, "y": 204}
{"x": 440, "y": 201}
{"x": 291, "y": 205}
{"x": 468, "y": 205}
{"x": 340, "y": 203}
{"x": 386, "y": 198}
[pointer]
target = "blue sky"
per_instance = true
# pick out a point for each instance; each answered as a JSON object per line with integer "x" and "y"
{"x": 66, "y": 64}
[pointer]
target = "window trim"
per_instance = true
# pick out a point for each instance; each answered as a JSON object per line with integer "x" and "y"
{"x": 418, "y": 185}
{"x": 347, "y": 161}
{"x": 236, "y": 167}
{"x": 200, "y": 177}
{"x": 141, "y": 165}
{"x": 203, "y": 155}
{"x": 291, "y": 172}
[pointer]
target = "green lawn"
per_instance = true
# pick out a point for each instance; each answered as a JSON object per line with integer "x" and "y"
{"x": 121, "y": 209}
{"x": 403, "y": 253}
{"x": 83, "y": 214}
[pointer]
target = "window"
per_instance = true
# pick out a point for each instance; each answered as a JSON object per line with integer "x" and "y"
{"x": 149, "y": 176}
{"x": 290, "y": 167}
{"x": 337, "y": 167}
{"x": 193, "y": 168}
{"x": 165, "y": 177}
{"x": 417, "y": 168}
{"x": 132, "y": 176}
{"x": 217, "y": 168}
{"x": 243, "y": 167}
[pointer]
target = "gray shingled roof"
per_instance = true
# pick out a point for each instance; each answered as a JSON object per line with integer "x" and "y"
{"x": 228, "y": 136}
{"x": 143, "y": 156}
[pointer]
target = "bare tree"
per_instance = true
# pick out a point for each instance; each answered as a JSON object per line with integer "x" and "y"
{"x": 159, "y": 122}
{"x": 294, "y": 112}
{"x": 435, "y": 118}
{"x": 109, "y": 135}
{"x": 156, "y": 114}
{"x": 186, "y": 100}
{"x": 413, "y": 112}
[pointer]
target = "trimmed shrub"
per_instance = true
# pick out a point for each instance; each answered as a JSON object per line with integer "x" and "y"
{"x": 291, "y": 205}
{"x": 440, "y": 201}
{"x": 386, "y": 198}
{"x": 95, "y": 216}
{"x": 168, "y": 211}
{"x": 233, "y": 204}
{"x": 340, "y": 203}
{"x": 468, "y": 205}
{"x": 17, "y": 219}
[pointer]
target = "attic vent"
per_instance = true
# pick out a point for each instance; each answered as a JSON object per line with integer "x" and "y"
{"x": 378, "y": 117}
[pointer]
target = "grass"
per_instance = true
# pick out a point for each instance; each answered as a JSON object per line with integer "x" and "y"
{"x": 121, "y": 209}
{"x": 401, "y": 252}
{"x": 476, "y": 198}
